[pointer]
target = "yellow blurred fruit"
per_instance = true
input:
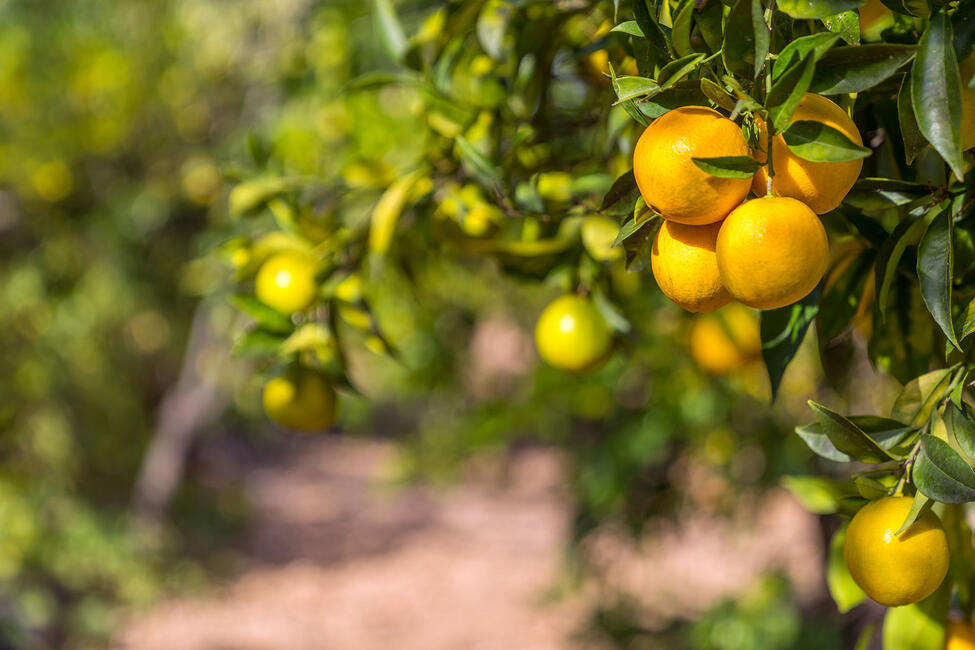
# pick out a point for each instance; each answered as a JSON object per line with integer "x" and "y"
{"x": 53, "y": 180}
{"x": 960, "y": 635}
{"x": 967, "y": 68}
{"x": 350, "y": 289}
{"x": 201, "y": 180}
{"x": 572, "y": 335}
{"x": 286, "y": 281}
{"x": 772, "y": 252}
{"x": 555, "y": 186}
{"x": 726, "y": 340}
{"x": 895, "y": 569}
{"x": 669, "y": 180}
{"x": 820, "y": 185}
{"x": 301, "y": 399}
{"x": 598, "y": 235}
{"x": 685, "y": 266}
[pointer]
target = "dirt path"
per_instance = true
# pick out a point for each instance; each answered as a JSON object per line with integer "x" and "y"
{"x": 337, "y": 562}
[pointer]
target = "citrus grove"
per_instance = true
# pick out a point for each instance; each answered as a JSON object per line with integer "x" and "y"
{"x": 775, "y": 169}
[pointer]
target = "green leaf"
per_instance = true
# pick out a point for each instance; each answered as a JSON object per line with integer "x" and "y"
{"x": 623, "y": 187}
{"x": 819, "y": 495}
{"x": 651, "y": 28}
{"x": 842, "y": 588}
{"x": 674, "y": 71}
{"x": 919, "y": 506}
{"x": 846, "y": 24}
{"x": 782, "y": 332}
{"x": 632, "y": 87}
{"x": 885, "y": 432}
{"x": 914, "y": 141}
{"x": 817, "y": 44}
{"x": 820, "y": 142}
{"x": 788, "y": 90}
{"x": 889, "y": 256}
{"x": 746, "y": 39}
{"x": 816, "y": 8}
{"x": 716, "y": 94}
{"x": 681, "y": 33}
{"x": 854, "y": 68}
{"x": 639, "y": 244}
{"x": 266, "y": 317}
{"x": 709, "y": 21}
{"x": 920, "y": 626}
{"x": 941, "y": 473}
{"x": 919, "y": 397}
{"x": 629, "y": 27}
{"x": 961, "y": 422}
{"x": 965, "y": 324}
{"x": 848, "y": 438}
{"x": 841, "y": 300}
{"x": 729, "y": 166}
{"x": 390, "y": 30}
{"x": 935, "y": 263}
{"x": 936, "y": 92}
{"x": 683, "y": 93}
{"x": 257, "y": 342}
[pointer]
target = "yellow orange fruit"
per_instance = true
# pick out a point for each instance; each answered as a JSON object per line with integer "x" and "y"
{"x": 301, "y": 399}
{"x": 726, "y": 340}
{"x": 572, "y": 335}
{"x": 771, "y": 252}
{"x": 820, "y": 185}
{"x": 685, "y": 266}
{"x": 598, "y": 234}
{"x": 896, "y": 569}
{"x": 669, "y": 180}
{"x": 960, "y": 635}
{"x": 286, "y": 281}
{"x": 873, "y": 17}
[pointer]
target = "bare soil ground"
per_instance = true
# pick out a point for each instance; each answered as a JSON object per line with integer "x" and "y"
{"x": 338, "y": 560}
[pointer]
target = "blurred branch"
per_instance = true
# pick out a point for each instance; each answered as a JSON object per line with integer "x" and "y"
{"x": 193, "y": 402}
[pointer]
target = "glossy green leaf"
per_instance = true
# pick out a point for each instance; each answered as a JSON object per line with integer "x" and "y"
{"x": 816, "y": 8}
{"x": 941, "y": 473}
{"x": 846, "y": 24}
{"x": 710, "y": 23}
{"x": 841, "y": 299}
{"x": 717, "y": 94}
{"x": 961, "y": 422}
{"x": 854, "y": 68}
{"x": 963, "y": 26}
{"x": 746, "y": 38}
{"x": 682, "y": 93}
{"x": 729, "y": 166}
{"x": 936, "y": 92}
{"x": 842, "y": 588}
{"x": 935, "y": 264}
{"x": 633, "y": 87}
{"x": 885, "y": 432}
{"x": 919, "y": 505}
{"x": 848, "y": 438}
{"x": 674, "y": 71}
{"x": 918, "y": 398}
{"x": 965, "y": 324}
{"x": 651, "y": 29}
{"x": 623, "y": 187}
{"x": 920, "y": 626}
{"x": 914, "y": 141}
{"x": 630, "y": 27}
{"x": 782, "y": 332}
{"x": 819, "y": 142}
{"x": 788, "y": 90}
{"x": 818, "y": 44}
{"x": 681, "y": 33}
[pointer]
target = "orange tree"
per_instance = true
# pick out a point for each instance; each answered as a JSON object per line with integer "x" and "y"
{"x": 726, "y": 147}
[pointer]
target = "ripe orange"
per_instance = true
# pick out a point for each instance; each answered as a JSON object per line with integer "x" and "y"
{"x": 772, "y": 252}
{"x": 894, "y": 569}
{"x": 820, "y": 185}
{"x": 670, "y": 181}
{"x": 686, "y": 267}
{"x": 726, "y": 340}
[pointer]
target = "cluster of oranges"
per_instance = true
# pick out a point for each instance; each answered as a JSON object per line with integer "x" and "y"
{"x": 714, "y": 245}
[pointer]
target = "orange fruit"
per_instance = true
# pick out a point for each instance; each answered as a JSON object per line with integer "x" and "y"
{"x": 686, "y": 267}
